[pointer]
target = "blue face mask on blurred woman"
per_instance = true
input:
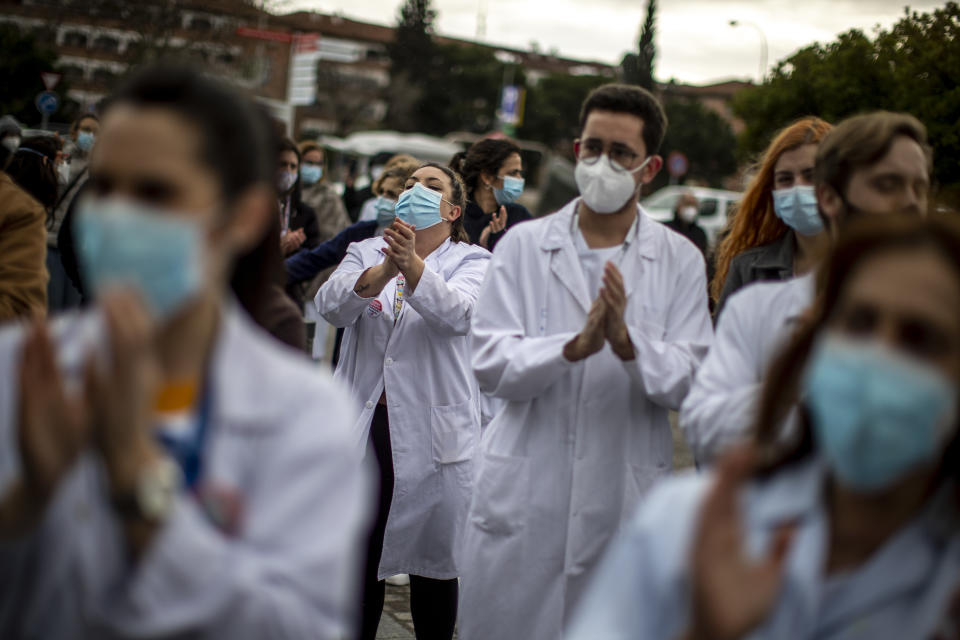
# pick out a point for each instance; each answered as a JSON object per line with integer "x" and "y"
{"x": 159, "y": 253}
{"x": 797, "y": 207}
{"x": 420, "y": 207}
{"x": 385, "y": 211}
{"x": 311, "y": 174}
{"x": 85, "y": 141}
{"x": 512, "y": 189}
{"x": 877, "y": 414}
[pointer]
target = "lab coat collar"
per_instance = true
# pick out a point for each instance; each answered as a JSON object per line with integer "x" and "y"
{"x": 238, "y": 399}
{"x": 796, "y": 495}
{"x": 565, "y": 264}
{"x": 558, "y": 233}
{"x": 790, "y": 494}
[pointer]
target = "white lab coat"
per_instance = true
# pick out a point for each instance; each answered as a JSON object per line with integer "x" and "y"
{"x": 277, "y": 442}
{"x": 903, "y": 591}
{"x": 576, "y": 444}
{"x": 423, "y": 362}
{"x": 755, "y": 324}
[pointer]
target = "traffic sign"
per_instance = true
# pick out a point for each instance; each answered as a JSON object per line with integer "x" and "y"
{"x": 50, "y": 79}
{"x": 47, "y": 102}
{"x": 677, "y": 164}
{"x": 511, "y": 105}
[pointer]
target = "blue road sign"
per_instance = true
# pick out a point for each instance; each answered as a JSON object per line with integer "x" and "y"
{"x": 47, "y": 102}
{"x": 510, "y": 104}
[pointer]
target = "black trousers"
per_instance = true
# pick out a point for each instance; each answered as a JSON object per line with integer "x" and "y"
{"x": 433, "y": 603}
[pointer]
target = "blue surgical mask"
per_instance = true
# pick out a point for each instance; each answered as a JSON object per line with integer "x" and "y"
{"x": 797, "y": 207}
{"x": 876, "y": 414}
{"x": 85, "y": 141}
{"x": 385, "y": 211}
{"x": 420, "y": 207}
{"x": 512, "y": 188}
{"x": 311, "y": 173}
{"x": 158, "y": 253}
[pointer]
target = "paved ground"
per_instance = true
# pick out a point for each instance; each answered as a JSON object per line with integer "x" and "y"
{"x": 396, "y": 623}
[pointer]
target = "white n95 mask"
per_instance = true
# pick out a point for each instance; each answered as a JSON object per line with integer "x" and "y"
{"x": 603, "y": 188}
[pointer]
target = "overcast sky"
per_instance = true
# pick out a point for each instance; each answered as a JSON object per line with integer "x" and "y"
{"x": 694, "y": 41}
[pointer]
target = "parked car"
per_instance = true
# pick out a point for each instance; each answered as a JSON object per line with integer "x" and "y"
{"x": 716, "y": 205}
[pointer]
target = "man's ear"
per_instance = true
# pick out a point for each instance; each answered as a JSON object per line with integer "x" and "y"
{"x": 249, "y": 219}
{"x": 651, "y": 170}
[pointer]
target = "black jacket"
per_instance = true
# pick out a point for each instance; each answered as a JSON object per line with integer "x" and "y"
{"x": 692, "y": 231}
{"x": 475, "y": 221}
{"x": 773, "y": 261}
{"x": 304, "y": 217}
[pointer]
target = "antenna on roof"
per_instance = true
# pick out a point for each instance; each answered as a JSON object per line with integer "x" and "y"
{"x": 481, "y": 19}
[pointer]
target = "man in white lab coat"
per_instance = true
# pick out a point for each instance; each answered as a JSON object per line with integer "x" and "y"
{"x": 875, "y": 163}
{"x": 590, "y": 326}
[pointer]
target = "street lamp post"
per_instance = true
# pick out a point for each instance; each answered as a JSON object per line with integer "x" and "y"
{"x": 763, "y": 44}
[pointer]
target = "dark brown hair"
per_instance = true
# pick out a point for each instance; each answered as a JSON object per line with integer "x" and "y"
{"x": 862, "y": 239}
{"x": 861, "y": 141}
{"x": 637, "y": 101}
{"x": 75, "y": 127}
{"x": 485, "y": 156}
{"x": 458, "y": 196}
{"x": 33, "y": 168}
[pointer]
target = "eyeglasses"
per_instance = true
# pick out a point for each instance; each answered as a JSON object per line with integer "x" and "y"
{"x": 620, "y": 156}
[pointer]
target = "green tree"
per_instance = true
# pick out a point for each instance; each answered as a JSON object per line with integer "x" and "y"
{"x": 914, "y": 67}
{"x": 412, "y": 53}
{"x": 463, "y": 92}
{"x": 637, "y": 68}
{"x": 23, "y": 57}
{"x": 552, "y": 112}
{"x": 704, "y": 137}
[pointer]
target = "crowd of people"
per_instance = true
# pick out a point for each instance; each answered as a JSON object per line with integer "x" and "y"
{"x": 497, "y": 423}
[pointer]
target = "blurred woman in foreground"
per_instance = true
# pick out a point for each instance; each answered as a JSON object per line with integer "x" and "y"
{"x": 849, "y": 528}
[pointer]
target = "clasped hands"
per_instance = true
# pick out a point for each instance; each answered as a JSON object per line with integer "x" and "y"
{"x": 401, "y": 257}
{"x": 112, "y": 411}
{"x": 605, "y": 321}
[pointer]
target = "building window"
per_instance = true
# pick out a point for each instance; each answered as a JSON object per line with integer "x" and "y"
{"x": 73, "y": 73}
{"x": 104, "y": 75}
{"x": 201, "y": 24}
{"x": 107, "y": 43}
{"x": 75, "y": 39}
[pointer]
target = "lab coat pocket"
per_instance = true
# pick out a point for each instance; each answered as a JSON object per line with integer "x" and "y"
{"x": 653, "y": 330}
{"x": 501, "y": 495}
{"x": 453, "y": 432}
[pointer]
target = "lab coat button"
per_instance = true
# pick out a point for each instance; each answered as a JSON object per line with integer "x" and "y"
{"x": 388, "y": 361}
{"x": 368, "y": 404}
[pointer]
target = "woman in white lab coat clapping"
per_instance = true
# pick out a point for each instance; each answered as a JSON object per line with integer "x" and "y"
{"x": 406, "y": 300}
{"x": 167, "y": 468}
{"x": 851, "y": 527}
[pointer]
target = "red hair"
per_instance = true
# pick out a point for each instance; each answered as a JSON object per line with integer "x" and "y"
{"x": 754, "y": 223}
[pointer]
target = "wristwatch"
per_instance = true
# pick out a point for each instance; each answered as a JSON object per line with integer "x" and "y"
{"x": 154, "y": 493}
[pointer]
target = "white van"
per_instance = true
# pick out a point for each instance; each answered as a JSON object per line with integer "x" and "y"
{"x": 716, "y": 205}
